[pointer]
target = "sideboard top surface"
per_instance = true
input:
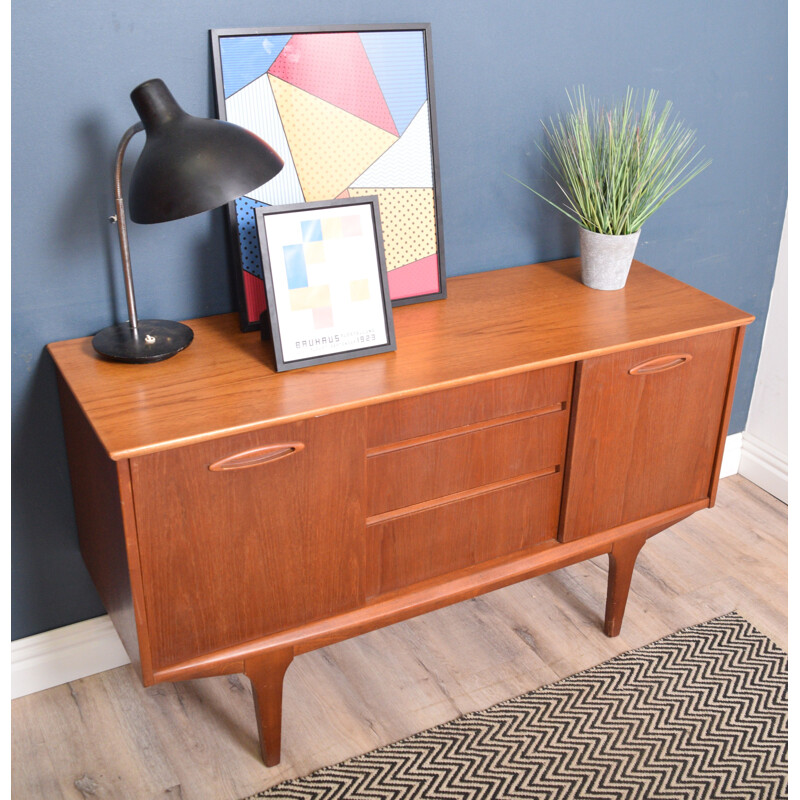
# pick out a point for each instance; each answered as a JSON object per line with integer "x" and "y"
{"x": 492, "y": 324}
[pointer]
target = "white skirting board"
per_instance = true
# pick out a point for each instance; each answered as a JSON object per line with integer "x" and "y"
{"x": 765, "y": 466}
{"x": 65, "y": 654}
{"x": 731, "y": 455}
{"x": 85, "y": 648}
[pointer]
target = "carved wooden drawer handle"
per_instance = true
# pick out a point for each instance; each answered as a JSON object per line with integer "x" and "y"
{"x": 660, "y": 364}
{"x": 256, "y": 457}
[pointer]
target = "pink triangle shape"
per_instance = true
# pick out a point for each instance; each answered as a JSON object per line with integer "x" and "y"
{"x": 417, "y": 278}
{"x": 335, "y": 68}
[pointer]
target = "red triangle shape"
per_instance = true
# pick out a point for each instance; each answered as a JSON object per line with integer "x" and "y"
{"x": 255, "y": 296}
{"x": 335, "y": 68}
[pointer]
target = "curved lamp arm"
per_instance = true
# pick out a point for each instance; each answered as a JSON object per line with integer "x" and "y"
{"x": 122, "y": 226}
{"x": 136, "y": 341}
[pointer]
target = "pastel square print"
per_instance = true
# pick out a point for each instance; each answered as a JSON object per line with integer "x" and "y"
{"x": 359, "y": 290}
{"x": 323, "y": 317}
{"x": 332, "y": 228}
{"x": 312, "y": 230}
{"x": 327, "y": 283}
{"x": 351, "y": 226}
{"x": 315, "y": 253}
{"x": 310, "y": 297}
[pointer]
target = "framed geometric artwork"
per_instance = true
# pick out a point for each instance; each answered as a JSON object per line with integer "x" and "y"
{"x": 327, "y": 293}
{"x": 351, "y": 111}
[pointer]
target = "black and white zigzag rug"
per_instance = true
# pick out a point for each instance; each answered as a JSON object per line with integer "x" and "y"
{"x": 699, "y": 715}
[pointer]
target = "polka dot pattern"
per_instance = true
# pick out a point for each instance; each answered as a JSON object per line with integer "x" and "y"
{"x": 408, "y": 223}
{"x": 248, "y": 236}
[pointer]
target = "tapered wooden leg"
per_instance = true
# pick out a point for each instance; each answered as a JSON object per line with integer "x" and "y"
{"x": 266, "y": 675}
{"x": 621, "y": 561}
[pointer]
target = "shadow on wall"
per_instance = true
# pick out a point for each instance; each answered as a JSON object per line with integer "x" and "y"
{"x": 554, "y": 235}
{"x": 551, "y": 234}
{"x": 214, "y": 288}
{"x": 84, "y": 211}
{"x": 44, "y": 542}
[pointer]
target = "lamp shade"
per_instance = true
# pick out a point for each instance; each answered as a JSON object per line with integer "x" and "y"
{"x": 190, "y": 164}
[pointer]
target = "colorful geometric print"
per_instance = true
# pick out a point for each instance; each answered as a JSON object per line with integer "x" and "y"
{"x": 255, "y": 295}
{"x": 399, "y": 65}
{"x": 349, "y": 114}
{"x": 407, "y": 163}
{"x": 255, "y": 110}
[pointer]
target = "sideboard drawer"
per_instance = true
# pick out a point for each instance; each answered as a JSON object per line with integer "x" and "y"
{"x": 434, "y": 466}
{"x": 415, "y": 546}
{"x": 424, "y": 414}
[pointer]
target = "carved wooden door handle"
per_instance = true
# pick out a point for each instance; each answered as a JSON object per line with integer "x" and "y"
{"x": 660, "y": 364}
{"x": 256, "y": 457}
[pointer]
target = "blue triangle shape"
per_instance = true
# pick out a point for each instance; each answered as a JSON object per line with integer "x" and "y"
{"x": 398, "y": 60}
{"x": 245, "y": 58}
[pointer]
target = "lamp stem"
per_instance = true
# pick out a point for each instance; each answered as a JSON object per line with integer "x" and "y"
{"x": 122, "y": 226}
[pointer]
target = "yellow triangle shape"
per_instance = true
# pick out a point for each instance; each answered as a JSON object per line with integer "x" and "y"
{"x": 330, "y": 147}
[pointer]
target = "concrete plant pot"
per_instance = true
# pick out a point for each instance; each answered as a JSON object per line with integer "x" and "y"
{"x": 606, "y": 258}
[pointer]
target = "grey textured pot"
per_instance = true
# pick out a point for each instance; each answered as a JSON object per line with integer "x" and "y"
{"x": 606, "y": 258}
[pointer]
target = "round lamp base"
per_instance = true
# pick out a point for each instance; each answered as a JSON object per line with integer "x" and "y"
{"x": 154, "y": 340}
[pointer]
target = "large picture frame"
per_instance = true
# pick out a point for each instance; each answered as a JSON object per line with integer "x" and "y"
{"x": 351, "y": 111}
{"x": 325, "y": 281}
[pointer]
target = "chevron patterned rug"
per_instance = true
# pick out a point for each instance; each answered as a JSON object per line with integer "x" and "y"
{"x": 698, "y": 715}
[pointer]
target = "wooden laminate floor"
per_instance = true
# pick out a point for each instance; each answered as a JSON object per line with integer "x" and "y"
{"x": 107, "y": 737}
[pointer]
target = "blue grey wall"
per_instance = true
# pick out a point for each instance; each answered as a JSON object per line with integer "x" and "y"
{"x": 499, "y": 67}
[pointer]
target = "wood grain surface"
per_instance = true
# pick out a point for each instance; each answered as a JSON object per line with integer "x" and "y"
{"x": 464, "y": 406}
{"x": 492, "y": 324}
{"x": 107, "y": 531}
{"x": 466, "y": 459}
{"x": 230, "y": 556}
{"x": 643, "y": 442}
{"x": 444, "y": 538}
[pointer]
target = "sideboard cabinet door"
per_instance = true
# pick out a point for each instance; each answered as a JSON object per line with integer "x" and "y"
{"x": 250, "y": 534}
{"x": 645, "y": 429}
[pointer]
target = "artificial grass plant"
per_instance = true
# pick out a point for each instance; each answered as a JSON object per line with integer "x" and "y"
{"x": 615, "y": 166}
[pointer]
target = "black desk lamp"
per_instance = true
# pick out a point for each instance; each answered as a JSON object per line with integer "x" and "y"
{"x": 188, "y": 165}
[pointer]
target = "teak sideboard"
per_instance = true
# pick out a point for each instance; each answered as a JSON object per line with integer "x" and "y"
{"x": 232, "y": 517}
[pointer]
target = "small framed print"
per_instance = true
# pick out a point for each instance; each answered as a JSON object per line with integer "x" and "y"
{"x": 325, "y": 280}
